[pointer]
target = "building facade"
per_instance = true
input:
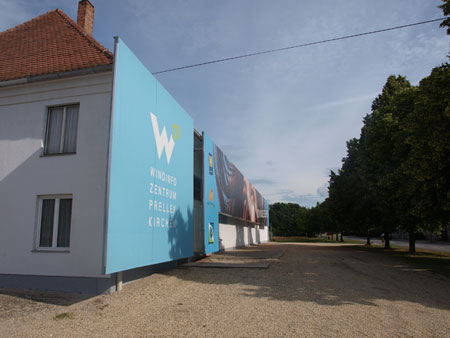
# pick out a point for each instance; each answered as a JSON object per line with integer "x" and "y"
{"x": 101, "y": 180}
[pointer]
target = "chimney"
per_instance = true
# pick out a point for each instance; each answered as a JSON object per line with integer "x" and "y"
{"x": 85, "y": 18}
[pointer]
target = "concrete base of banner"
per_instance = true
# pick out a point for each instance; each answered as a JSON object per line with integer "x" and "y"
{"x": 237, "y": 236}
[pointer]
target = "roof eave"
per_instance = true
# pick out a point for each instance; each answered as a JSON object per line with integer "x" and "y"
{"x": 60, "y": 75}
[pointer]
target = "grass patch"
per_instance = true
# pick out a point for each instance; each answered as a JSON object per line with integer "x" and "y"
{"x": 64, "y": 315}
{"x": 304, "y": 239}
{"x": 434, "y": 261}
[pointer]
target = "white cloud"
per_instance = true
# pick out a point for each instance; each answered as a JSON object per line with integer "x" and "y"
{"x": 290, "y": 196}
{"x": 322, "y": 191}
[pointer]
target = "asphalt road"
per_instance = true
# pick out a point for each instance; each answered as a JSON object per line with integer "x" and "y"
{"x": 436, "y": 246}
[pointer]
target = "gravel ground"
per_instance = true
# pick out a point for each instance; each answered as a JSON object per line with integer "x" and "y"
{"x": 420, "y": 244}
{"x": 312, "y": 290}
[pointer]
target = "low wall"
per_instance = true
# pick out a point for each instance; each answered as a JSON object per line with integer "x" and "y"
{"x": 237, "y": 236}
{"x": 84, "y": 285}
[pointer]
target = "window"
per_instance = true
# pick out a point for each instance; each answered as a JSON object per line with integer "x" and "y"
{"x": 61, "y": 130}
{"x": 55, "y": 213}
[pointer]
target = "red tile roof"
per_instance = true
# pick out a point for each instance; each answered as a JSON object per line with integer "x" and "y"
{"x": 48, "y": 44}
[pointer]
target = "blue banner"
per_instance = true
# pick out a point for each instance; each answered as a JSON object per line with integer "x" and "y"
{"x": 211, "y": 198}
{"x": 150, "y": 216}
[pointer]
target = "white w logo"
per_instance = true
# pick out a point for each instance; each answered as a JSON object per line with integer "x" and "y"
{"x": 161, "y": 140}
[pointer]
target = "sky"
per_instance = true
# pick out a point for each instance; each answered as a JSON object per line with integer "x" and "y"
{"x": 282, "y": 118}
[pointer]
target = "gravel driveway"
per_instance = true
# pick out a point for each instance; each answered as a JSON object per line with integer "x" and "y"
{"x": 312, "y": 290}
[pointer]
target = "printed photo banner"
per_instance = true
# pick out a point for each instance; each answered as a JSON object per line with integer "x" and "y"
{"x": 237, "y": 196}
{"x": 229, "y": 192}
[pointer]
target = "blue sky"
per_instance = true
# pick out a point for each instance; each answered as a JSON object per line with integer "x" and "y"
{"x": 282, "y": 118}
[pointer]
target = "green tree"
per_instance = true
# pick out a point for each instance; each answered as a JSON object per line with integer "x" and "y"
{"x": 378, "y": 158}
{"x": 446, "y": 10}
{"x": 402, "y": 188}
{"x": 348, "y": 199}
{"x": 406, "y": 154}
{"x": 288, "y": 219}
{"x": 427, "y": 130}
{"x": 318, "y": 219}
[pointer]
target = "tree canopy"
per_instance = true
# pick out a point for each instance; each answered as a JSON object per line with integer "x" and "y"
{"x": 397, "y": 174}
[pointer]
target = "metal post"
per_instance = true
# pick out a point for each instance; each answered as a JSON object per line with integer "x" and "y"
{"x": 119, "y": 281}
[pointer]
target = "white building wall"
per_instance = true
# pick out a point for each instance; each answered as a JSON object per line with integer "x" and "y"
{"x": 25, "y": 174}
{"x": 236, "y": 236}
{"x": 264, "y": 235}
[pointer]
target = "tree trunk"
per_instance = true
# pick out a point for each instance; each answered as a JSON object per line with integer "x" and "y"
{"x": 448, "y": 231}
{"x": 412, "y": 240}
{"x": 342, "y": 237}
{"x": 368, "y": 237}
{"x": 387, "y": 242}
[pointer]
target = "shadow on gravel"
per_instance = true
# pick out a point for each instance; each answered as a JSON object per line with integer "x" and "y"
{"x": 433, "y": 261}
{"x": 46, "y": 297}
{"x": 329, "y": 275}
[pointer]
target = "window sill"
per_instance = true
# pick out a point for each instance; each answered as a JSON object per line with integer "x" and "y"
{"x": 61, "y": 250}
{"x": 57, "y": 154}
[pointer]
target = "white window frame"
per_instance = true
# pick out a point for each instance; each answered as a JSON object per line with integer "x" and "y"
{"x": 63, "y": 129}
{"x": 54, "y": 246}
